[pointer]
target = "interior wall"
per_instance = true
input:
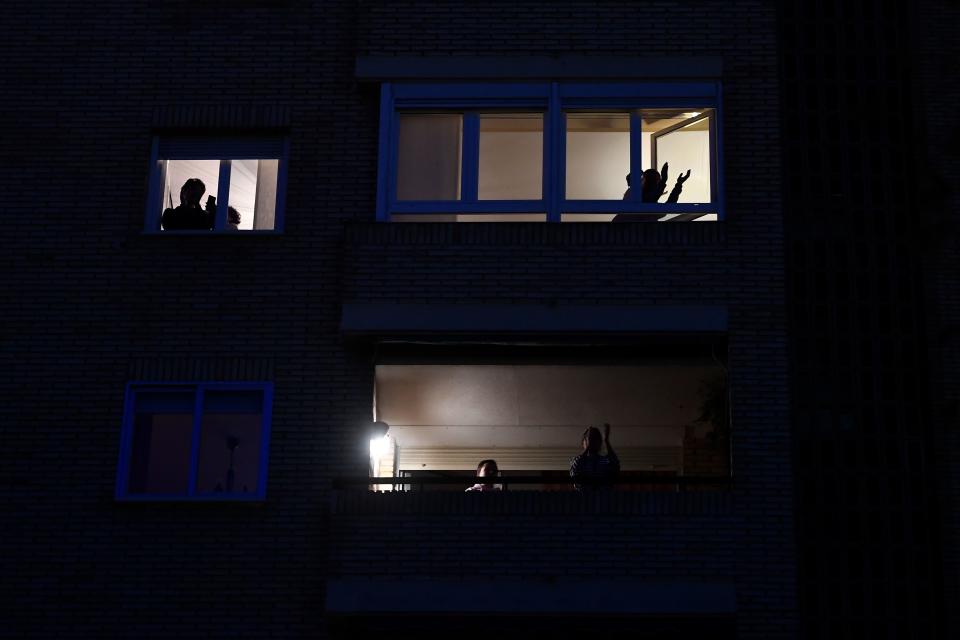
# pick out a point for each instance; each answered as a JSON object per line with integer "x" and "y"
{"x": 243, "y": 190}
{"x": 179, "y": 171}
{"x": 597, "y": 165}
{"x": 686, "y": 150}
{"x": 476, "y": 406}
{"x": 428, "y": 159}
{"x": 511, "y": 165}
{"x": 266, "y": 196}
{"x": 243, "y": 185}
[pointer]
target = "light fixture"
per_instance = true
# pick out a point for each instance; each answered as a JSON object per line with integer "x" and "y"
{"x": 379, "y": 446}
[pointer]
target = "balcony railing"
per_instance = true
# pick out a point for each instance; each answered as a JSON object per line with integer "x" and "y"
{"x": 678, "y": 483}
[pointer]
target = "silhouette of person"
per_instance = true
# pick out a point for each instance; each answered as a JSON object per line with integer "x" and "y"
{"x": 233, "y": 219}
{"x": 590, "y": 464}
{"x": 189, "y": 216}
{"x": 486, "y": 469}
{"x": 652, "y": 185}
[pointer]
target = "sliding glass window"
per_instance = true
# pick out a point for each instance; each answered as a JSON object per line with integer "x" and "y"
{"x": 550, "y": 152}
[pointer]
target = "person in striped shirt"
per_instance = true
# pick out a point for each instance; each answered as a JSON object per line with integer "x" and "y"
{"x": 591, "y": 464}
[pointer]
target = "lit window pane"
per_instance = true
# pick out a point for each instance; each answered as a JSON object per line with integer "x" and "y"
{"x": 185, "y": 209}
{"x": 598, "y": 155}
{"x": 470, "y": 217}
{"x": 253, "y": 193}
{"x": 230, "y": 439}
{"x": 160, "y": 451}
{"x": 429, "y": 151}
{"x": 683, "y": 147}
{"x": 511, "y": 157}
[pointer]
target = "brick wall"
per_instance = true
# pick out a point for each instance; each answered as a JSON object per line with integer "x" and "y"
{"x": 863, "y": 246}
{"x": 937, "y": 90}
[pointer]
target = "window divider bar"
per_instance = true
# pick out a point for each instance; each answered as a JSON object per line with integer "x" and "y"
{"x": 266, "y": 419}
{"x": 223, "y": 196}
{"x": 554, "y": 155}
{"x": 629, "y": 206}
{"x": 470, "y": 162}
{"x": 155, "y": 188}
{"x": 636, "y": 154}
{"x": 386, "y": 168}
{"x": 280, "y": 205}
{"x": 126, "y": 443}
{"x": 493, "y": 207}
{"x": 716, "y": 131}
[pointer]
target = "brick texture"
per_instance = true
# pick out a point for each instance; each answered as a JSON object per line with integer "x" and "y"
{"x": 92, "y": 303}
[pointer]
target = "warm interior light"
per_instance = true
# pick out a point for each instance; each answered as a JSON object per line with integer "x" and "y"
{"x": 379, "y": 446}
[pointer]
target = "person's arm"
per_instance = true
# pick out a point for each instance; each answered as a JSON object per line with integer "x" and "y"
{"x": 677, "y": 188}
{"x": 575, "y": 466}
{"x": 611, "y": 454}
{"x": 664, "y": 175}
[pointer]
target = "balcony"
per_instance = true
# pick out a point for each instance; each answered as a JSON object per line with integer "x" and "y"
{"x": 651, "y": 563}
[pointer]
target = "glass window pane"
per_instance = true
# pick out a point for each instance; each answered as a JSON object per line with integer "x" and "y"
{"x": 253, "y": 194}
{"x": 185, "y": 203}
{"x": 511, "y": 156}
{"x": 230, "y": 440}
{"x": 598, "y": 155}
{"x": 587, "y": 217}
{"x": 160, "y": 451}
{"x": 428, "y": 157}
{"x": 683, "y": 147}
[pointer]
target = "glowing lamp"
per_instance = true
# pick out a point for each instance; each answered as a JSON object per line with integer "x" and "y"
{"x": 379, "y": 446}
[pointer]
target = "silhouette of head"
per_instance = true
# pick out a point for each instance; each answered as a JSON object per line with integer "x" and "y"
{"x": 592, "y": 440}
{"x": 650, "y": 185}
{"x": 191, "y": 192}
{"x": 487, "y": 469}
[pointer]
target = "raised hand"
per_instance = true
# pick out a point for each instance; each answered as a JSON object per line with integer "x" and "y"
{"x": 663, "y": 173}
{"x": 683, "y": 177}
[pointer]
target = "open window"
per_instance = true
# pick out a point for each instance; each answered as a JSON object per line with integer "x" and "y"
{"x": 669, "y": 419}
{"x": 214, "y": 184}
{"x": 195, "y": 442}
{"x": 551, "y": 152}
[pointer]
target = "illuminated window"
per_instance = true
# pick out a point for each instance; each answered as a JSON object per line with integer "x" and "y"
{"x": 559, "y": 152}
{"x": 197, "y": 441}
{"x": 216, "y": 184}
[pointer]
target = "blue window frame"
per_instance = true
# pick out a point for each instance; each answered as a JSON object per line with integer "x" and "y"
{"x": 239, "y": 178}
{"x": 194, "y": 441}
{"x": 568, "y": 149}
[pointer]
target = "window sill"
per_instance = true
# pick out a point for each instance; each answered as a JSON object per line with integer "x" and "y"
{"x": 535, "y": 233}
{"x": 232, "y": 234}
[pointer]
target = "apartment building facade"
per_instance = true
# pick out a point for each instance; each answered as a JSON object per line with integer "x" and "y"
{"x": 423, "y": 237}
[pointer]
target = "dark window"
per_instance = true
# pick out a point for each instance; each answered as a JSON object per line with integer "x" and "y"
{"x": 195, "y": 441}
